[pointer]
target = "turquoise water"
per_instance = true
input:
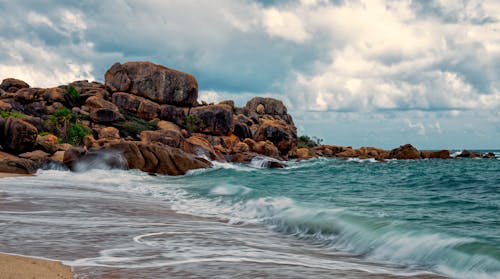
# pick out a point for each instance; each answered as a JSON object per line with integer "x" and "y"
{"x": 401, "y": 218}
{"x": 442, "y": 215}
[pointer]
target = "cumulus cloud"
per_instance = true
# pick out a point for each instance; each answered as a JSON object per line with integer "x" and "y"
{"x": 383, "y": 58}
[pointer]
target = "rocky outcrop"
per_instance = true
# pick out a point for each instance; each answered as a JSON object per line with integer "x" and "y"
{"x": 155, "y": 82}
{"x": 12, "y": 85}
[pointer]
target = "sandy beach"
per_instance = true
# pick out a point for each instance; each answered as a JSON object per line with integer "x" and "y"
{"x": 17, "y": 267}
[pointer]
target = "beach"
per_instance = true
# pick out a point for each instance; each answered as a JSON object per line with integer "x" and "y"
{"x": 19, "y": 267}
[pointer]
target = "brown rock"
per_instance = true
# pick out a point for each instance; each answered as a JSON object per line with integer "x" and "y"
{"x": 109, "y": 133}
{"x": 215, "y": 119}
{"x": 406, "y": 151}
{"x": 73, "y": 155}
{"x": 58, "y": 156}
{"x": 13, "y": 164}
{"x": 201, "y": 147}
{"x": 12, "y": 85}
{"x": 468, "y": 154}
{"x": 155, "y": 82}
{"x": 37, "y": 156}
{"x": 278, "y": 132}
{"x": 229, "y": 103}
{"x": 266, "y": 148}
{"x": 240, "y": 147}
{"x": 441, "y": 154}
{"x": 266, "y": 106}
{"x": 303, "y": 154}
{"x": 348, "y": 153}
{"x": 102, "y": 111}
{"x": 47, "y": 143}
{"x": 142, "y": 107}
{"x": 168, "y": 133}
{"x": 17, "y": 135}
{"x": 173, "y": 114}
{"x": 4, "y": 106}
{"x": 54, "y": 95}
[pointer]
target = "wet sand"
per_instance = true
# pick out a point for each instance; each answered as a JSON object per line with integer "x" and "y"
{"x": 6, "y": 174}
{"x": 30, "y": 268}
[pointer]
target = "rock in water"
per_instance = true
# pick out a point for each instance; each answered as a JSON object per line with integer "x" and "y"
{"x": 155, "y": 82}
{"x": 406, "y": 151}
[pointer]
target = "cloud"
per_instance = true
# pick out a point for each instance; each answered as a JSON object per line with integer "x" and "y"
{"x": 392, "y": 59}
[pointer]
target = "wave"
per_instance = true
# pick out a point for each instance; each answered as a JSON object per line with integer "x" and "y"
{"x": 376, "y": 239}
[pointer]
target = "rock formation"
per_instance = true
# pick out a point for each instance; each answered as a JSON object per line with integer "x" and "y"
{"x": 146, "y": 116}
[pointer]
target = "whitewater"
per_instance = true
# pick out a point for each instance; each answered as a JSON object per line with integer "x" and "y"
{"x": 321, "y": 218}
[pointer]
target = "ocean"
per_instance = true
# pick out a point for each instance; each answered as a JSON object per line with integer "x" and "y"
{"x": 321, "y": 218}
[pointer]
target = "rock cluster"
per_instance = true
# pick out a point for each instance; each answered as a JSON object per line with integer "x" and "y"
{"x": 146, "y": 113}
{"x": 403, "y": 152}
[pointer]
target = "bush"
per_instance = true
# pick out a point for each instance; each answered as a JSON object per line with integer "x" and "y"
{"x": 193, "y": 123}
{"x": 76, "y": 132}
{"x": 133, "y": 126}
{"x": 72, "y": 92}
{"x": 307, "y": 142}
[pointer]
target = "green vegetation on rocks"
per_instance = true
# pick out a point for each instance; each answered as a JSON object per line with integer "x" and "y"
{"x": 6, "y": 114}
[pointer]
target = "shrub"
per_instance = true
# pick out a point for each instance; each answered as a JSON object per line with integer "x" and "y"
{"x": 307, "y": 142}
{"x": 72, "y": 92}
{"x": 193, "y": 123}
{"x": 133, "y": 126}
{"x": 5, "y": 114}
{"x": 76, "y": 132}
{"x": 42, "y": 134}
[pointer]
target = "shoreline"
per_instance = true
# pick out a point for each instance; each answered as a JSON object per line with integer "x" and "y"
{"x": 7, "y": 174}
{"x": 20, "y": 267}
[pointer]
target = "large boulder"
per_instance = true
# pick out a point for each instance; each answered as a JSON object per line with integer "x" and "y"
{"x": 16, "y": 135}
{"x": 142, "y": 107}
{"x": 406, "y": 151}
{"x": 148, "y": 157}
{"x": 12, "y": 85}
{"x": 102, "y": 111}
{"x": 173, "y": 114}
{"x": 214, "y": 119}
{"x": 262, "y": 105}
{"x": 283, "y": 136}
{"x": 168, "y": 134}
{"x": 155, "y": 82}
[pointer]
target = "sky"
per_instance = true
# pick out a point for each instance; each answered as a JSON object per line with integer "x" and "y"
{"x": 358, "y": 73}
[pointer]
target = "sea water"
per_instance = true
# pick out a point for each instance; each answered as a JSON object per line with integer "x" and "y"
{"x": 321, "y": 218}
